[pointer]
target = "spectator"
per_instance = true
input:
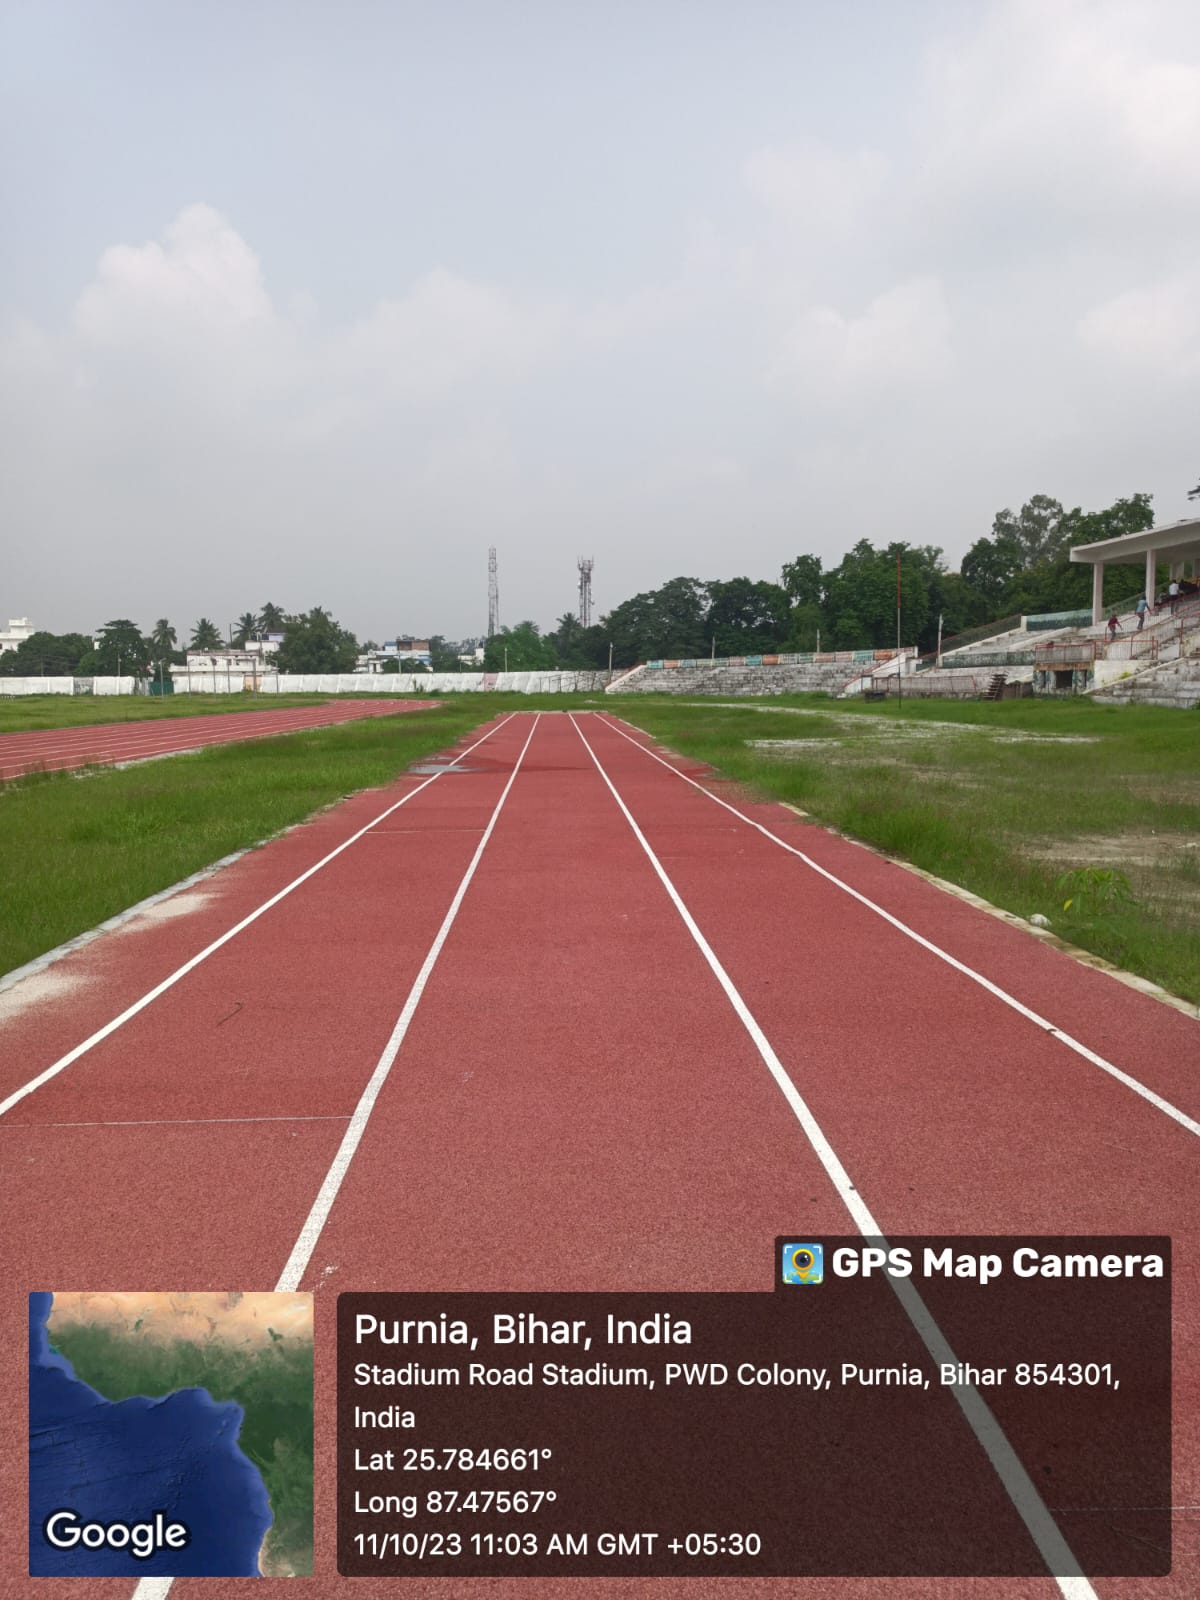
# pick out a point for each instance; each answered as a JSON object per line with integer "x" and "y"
{"x": 1173, "y": 594}
{"x": 1114, "y": 622}
{"x": 1143, "y": 605}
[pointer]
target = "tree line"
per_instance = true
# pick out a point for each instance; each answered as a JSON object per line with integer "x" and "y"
{"x": 1023, "y": 565}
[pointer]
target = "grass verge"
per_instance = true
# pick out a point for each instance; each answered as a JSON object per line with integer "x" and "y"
{"x": 1005, "y": 799}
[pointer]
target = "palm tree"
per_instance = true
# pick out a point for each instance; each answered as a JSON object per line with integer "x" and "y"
{"x": 247, "y": 625}
{"x": 206, "y": 635}
{"x": 164, "y": 639}
{"x": 271, "y": 618}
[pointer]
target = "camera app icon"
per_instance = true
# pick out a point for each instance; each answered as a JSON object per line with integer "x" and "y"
{"x": 803, "y": 1263}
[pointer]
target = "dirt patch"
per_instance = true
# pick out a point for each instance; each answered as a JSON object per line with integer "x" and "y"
{"x": 39, "y": 988}
{"x": 179, "y": 905}
{"x": 1137, "y": 848}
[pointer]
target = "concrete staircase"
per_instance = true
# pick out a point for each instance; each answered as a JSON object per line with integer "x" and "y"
{"x": 814, "y": 677}
{"x": 1171, "y": 683}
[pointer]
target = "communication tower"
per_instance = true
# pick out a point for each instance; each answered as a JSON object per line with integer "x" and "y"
{"x": 493, "y": 594}
{"x": 585, "y": 565}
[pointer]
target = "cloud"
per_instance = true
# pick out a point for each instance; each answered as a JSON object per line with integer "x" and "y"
{"x": 1064, "y": 111}
{"x": 1153, "y": 329}
{"x": 201, "y": 280}
{"x": 815, "y": 187}
{"x": 900, "y": 341}
{"x": 445, "y": 332}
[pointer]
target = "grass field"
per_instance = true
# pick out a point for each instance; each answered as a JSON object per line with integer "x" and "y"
{"x": 1004, "y": 799}
{"x": 32, "y": 713}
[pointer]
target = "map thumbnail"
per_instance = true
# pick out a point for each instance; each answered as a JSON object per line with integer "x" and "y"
{"x": 170, "y": 1434}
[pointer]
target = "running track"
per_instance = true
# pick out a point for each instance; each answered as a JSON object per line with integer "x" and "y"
{"x": 574, "y": 1070}
{"x": 106, "y": 743}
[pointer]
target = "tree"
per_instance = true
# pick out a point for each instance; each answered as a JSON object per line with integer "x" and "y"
{"x": 747, "y": 618}
{"x": 990, "y": 567}
{"x": 46, "y": 655}
{"x": 206, "y": 636}
{"x": 120, "y": 649}
{"x": 247, "y": 626}
{"x": 315, "y": 642}
{"x": 526, "y": 650}
{"x": 163, "y": 640}
{"x": 664, "y": 622}
{"x": 1041, "y": 532}
{"x": 1194, "y": 494}
{"x": 271, "y": 618}
{"x": 443, "y": 654}
{"x": 860, "y": 596}
{"x": 801, "y": 580}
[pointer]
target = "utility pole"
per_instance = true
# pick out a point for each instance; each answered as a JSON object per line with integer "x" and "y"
{"x": 899, "y": 656}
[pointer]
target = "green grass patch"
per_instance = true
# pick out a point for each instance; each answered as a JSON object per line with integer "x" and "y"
{"x": 1007, "y": 800}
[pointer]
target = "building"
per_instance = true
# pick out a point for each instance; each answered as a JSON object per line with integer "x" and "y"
{"x": 397, "y": 650}
{"x": 249, "y": 662}
{"x": 19, "y": 629}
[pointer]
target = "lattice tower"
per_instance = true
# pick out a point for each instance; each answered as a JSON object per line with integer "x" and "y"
{"x": 585, "y": 564}
{"x": 493, "y": 594}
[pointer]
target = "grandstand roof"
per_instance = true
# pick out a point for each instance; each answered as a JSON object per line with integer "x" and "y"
{"x": 1177, "y": 541}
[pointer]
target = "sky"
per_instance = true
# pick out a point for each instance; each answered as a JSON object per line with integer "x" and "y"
{"x": 313, "y": 303}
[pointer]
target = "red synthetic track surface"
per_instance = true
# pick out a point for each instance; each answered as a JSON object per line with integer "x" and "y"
{"x": 574, "y": 1074}
{"x": 103, "y": 744}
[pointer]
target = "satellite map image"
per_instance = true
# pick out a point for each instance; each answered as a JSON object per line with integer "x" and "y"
{"x": 170, "y": 1434}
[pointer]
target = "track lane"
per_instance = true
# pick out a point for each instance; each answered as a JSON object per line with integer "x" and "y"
{"x": 106, "y": 744}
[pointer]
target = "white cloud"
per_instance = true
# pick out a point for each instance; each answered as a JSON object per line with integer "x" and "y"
{"x": 1155, "y": 328}
{"x": 1065, "y": 109}
{"x": 901, "y": 340}
{"x": 203, "y": 279}
{"x": 447, "y": 331}
{"x": 815, "y": 187}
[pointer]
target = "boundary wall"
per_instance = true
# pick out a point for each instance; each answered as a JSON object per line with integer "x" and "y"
{"x": 361, "y": 683}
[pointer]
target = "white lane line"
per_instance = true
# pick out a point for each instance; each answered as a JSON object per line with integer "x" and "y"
{"x": 306, "y": 1243}
{"x": 1147, "y": 1094}
{"x": 1055, "y": 1552}
{"x": 181, "y": 972}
